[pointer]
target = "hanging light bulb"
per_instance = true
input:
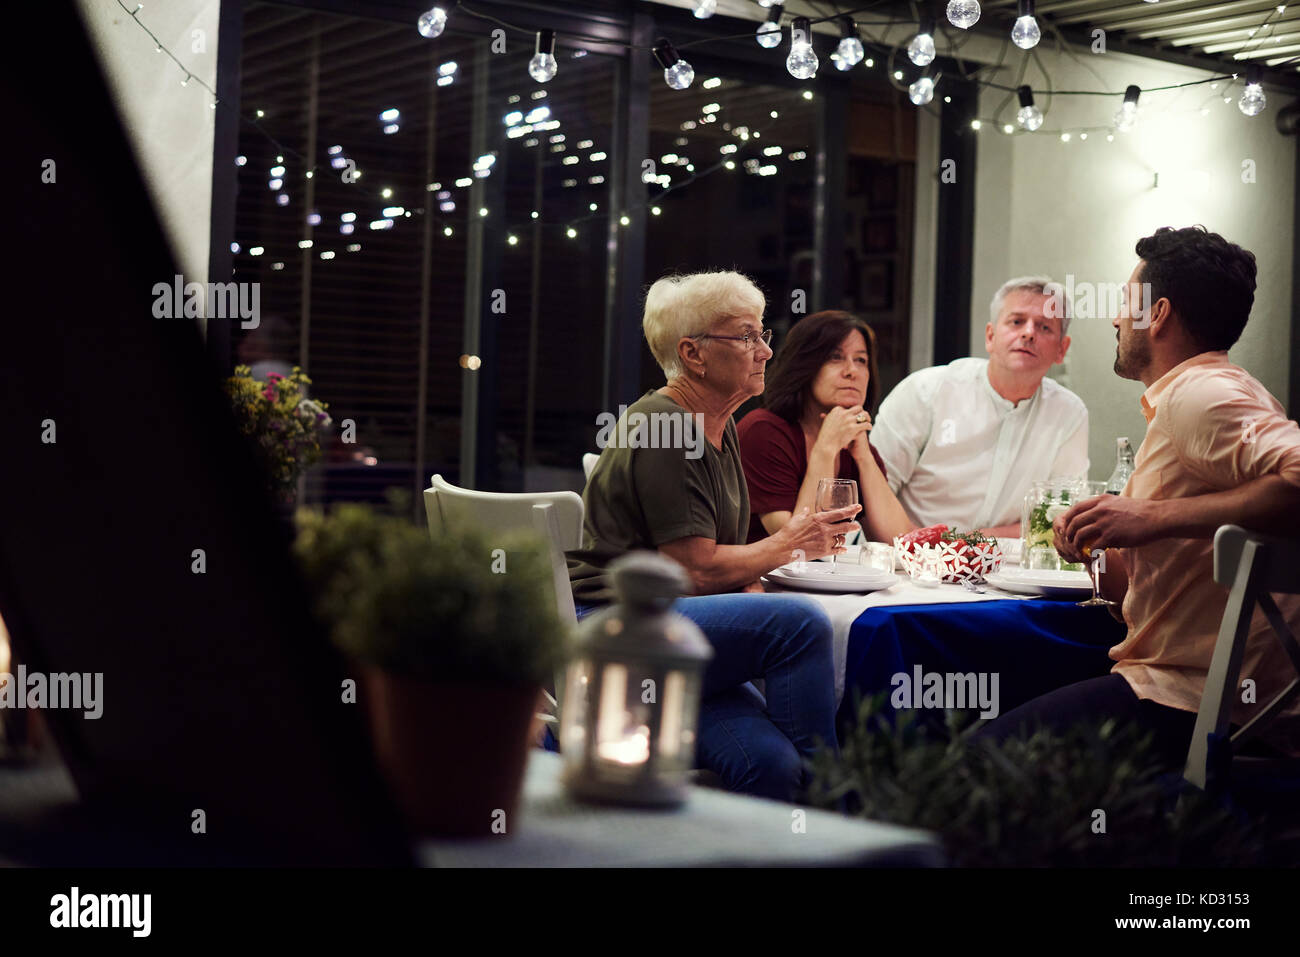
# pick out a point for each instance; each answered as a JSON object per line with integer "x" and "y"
{"x": 1252, "y": 100}
{"x": 1127, "y": 114}
{"x": 1029, "y": 117}
{"x": 542, "y": 66}
{"x": 705, "y": 9}
{"x": 768, "y": 33}
{"x": 850, "y": 50}
{"x": 921, "y": 92}
{"x": 432, "y": 22}
{"x": 1025, "y": 34}
{"x": 921, "y": 50}
{"x": 802, "y": 61}
{"x": 678, "y": 74}
{"x": 963, "y": 14}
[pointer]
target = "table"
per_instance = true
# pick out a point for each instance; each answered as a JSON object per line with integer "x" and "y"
{"x": 713, "y": 829}
{"x": 1033, "y": 645}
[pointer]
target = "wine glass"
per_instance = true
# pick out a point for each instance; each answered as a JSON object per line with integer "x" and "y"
{"x": 837, "y": 493}
{"x": 1093, "y": 489}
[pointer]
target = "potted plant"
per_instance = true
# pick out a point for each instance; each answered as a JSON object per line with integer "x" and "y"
{"x": 1093, "y": 795}
{"x": 454, "y": 640}
{"x": 284, "y": 424}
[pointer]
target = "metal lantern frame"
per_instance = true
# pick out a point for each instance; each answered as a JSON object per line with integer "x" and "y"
{"x": 601, "y": 735}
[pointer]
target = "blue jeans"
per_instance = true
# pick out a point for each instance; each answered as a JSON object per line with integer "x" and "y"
{"x": 756, "y": 744}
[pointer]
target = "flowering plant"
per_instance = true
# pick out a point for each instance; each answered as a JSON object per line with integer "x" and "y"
{"x": 282, "y": 421}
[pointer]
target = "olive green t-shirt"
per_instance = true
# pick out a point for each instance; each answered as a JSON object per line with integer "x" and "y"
{"x": 644, "y": 497}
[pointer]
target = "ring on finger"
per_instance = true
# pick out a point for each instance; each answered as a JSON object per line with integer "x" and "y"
{"x": 861, "y": 417}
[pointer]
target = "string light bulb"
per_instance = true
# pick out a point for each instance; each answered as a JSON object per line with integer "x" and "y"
{"x": 1029, "y": 116}
{"x": 1252, "y": 100}
{"x": 542, "y": 66}
{"x": 1025, "y": 34}
{"x": 1127, "y": 114}
{"x": 802, "y": 61}
{"x": 768, "y": 33}
{"x": 921, "y": 50}
{"x": 921, "y": 91}
{"x": 432, "y": 22}
{"x": 963, "y": 14}
{"x": 678, "y": 74}
{"x": 850, "y": 52}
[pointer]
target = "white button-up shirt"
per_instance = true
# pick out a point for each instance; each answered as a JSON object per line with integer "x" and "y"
{"x": 957, "y": 452}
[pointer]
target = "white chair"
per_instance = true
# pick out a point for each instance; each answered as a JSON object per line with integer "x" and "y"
{"x": 1252, "y": 566}
{"x": 556, "y": 516}
{"x": 589, "y": 460}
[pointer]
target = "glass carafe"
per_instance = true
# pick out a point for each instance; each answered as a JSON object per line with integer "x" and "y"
{"x": 1043, "y": 503}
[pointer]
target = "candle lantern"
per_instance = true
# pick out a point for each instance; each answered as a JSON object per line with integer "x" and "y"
{"x": 631, "y": 704}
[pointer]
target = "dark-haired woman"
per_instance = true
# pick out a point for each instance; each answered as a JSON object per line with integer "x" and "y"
{"x": 814, "y": 426}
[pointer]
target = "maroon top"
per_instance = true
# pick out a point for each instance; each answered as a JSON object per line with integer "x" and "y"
{"x": 775, "y": 458}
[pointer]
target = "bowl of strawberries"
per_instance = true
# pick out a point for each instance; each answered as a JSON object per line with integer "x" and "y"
{"x": 950, "y": 555}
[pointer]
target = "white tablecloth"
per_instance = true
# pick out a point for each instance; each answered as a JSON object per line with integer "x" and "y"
{"x": 843, "y": 610}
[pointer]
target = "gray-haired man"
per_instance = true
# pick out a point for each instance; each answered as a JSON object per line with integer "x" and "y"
{"x": 963, "y": 442}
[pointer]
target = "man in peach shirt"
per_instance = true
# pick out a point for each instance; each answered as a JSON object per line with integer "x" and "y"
{"x": 1219, "y": 450}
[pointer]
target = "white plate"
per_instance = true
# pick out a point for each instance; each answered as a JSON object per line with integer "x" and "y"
{"x": 840, "y": 584}
{"x": 1052, "y": 584}
{"x": 843, "y": 571}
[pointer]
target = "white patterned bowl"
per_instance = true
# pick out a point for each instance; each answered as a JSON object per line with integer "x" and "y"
{"x": 958, "y": 561}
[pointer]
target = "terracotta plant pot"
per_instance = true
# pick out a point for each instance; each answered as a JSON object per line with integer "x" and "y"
{"x": 453, "y": 753}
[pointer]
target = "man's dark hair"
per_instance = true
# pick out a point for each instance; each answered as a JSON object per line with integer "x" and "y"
{"x": 1209, "y": 281}
{"x": 805, "y": 350}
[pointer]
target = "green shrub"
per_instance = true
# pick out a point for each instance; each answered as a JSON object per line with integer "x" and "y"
{"x": 467, "y": 607}
{"x": 1029, "y": 801}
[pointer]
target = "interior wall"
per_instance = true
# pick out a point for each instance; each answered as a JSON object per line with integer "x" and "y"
{"x": 170, "y": 126}
{"x": 1077, "y": 208}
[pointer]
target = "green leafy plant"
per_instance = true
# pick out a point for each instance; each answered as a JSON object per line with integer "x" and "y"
{"x": 973, "y": 537}
{"x": 464, "y": 607}
{"x": 283, "y": 423}
{"x": 1029, "y": 801}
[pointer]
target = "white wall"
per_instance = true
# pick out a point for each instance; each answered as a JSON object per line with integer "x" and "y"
{"x": 170, "y": 126}
{"x": 1044, "y": 206}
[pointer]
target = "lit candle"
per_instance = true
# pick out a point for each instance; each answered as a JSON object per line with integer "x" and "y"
{"x": 630, "y": 749}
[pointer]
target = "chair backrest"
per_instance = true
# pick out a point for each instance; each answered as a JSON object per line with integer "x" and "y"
{"x": 1279, "y": 558}
{"x": 589, "y": 460}
{"x": 1251, "y": 566}
{"x": 556, "y": 516}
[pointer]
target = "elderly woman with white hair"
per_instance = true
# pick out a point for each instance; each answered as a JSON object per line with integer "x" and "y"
{"x": 687, "y": 499}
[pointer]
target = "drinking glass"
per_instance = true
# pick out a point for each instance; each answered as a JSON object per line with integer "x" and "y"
{"x": 1093, "y": 490}
{"x": 837, "y": 493}
{"x": 877, "y": 555}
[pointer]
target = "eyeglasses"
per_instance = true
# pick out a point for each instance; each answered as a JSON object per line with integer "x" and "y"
{"x": 749, "y": 339}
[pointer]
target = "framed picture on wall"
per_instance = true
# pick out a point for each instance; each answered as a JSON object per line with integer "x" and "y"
{"x": 878, "y": 285}
{"x": 884, "y": 187}
{"x": 878, "y": 234}
{"x": 858, "y": 178}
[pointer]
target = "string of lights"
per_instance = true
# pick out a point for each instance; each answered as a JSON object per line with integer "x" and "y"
{"x": 383, "y": 197}
{"x": 802, "y": 62}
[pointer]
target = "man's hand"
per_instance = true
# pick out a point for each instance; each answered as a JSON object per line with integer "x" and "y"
{"x": 1107, "y": 521}
{"x": 754, "y": 587}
